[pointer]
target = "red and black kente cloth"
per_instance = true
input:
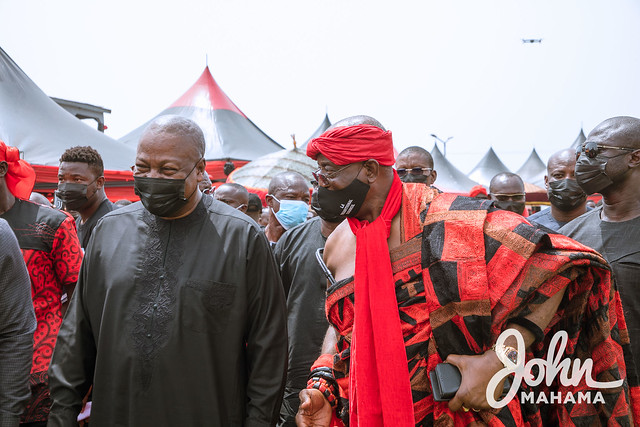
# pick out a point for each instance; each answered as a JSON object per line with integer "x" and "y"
{"x": 463, "y": 271}
{"x": 51, "y": 250}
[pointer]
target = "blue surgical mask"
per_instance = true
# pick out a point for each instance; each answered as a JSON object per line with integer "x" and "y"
{"x": 291, "y": 213}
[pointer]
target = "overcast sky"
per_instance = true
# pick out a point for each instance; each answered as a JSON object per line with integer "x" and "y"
{"x": 453, "y": 68}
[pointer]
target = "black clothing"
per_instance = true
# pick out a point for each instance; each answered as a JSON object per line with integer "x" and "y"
{"x": 177, "y": 322}
{"x": 305, "y": 286}
{"x": 17, "y": 323}
{"x": 619, "y": 244}
{"x": 84, "y": 230}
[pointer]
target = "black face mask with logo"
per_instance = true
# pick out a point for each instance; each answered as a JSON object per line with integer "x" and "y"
{"x": 321, "y": 213}
{"x": 346, "y": 202}
{"x": 566, "y": 194}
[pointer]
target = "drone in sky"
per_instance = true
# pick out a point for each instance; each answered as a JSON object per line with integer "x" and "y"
{"x": 531, "y": 40}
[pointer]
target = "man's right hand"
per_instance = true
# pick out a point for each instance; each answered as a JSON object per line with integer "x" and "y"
{"x": 314, "y": 410}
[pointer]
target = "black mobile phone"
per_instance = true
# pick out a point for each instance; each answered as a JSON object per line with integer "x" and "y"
{"x": 445, "y": 382}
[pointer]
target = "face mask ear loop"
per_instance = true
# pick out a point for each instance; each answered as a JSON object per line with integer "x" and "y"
{"x": 184, "y": 199}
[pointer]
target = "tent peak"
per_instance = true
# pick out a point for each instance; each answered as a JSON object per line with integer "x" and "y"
{"x": 206, "y": 93}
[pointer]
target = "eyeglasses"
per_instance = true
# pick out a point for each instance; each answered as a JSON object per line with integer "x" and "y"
{"x": 591, "y": 149}
{"x": 321, "y": 176}
{"x": 402, "y": 172}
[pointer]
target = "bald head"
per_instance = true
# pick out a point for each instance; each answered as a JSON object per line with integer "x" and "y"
{"x": 506, "y": 183}
{"x": 234, "y": 195}
{"x": 561, "y": 165}
{"x": 620, "y": 131}
{"x": 286, "y": 181}
{"x": 507, "y": 191}
{"x": 357, "y": 120}
{"x": 415, "y": 164}
{"x": 177, "y": 126}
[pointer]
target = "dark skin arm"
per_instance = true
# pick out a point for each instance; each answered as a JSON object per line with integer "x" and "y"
{"x": 477, "y": 370}
{"x": 315, "y": 409}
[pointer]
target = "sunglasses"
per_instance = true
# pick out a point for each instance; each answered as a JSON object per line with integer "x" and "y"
{"x": 402, "y": 172}
{"x": 325, "y": 177}
{"x": 591, "y": 149}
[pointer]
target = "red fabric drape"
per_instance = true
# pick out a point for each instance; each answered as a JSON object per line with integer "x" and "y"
{"x": 379, "y": 388}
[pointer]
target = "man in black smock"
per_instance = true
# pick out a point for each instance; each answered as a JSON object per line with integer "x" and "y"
{"x": 609, "y": 164}
{"x": 179, "y": 316}
{"x": 305, "y": 285}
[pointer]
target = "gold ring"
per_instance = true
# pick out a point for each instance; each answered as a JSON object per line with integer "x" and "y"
{"x": 465, "y": 409}
{"x": 475, "y": 410}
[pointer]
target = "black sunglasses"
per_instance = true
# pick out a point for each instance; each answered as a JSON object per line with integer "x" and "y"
{"x": 591, "y": 149}
{"x": 402, "y": 172}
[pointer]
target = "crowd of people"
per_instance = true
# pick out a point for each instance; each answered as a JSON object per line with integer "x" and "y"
{"x": 366, "y": 297}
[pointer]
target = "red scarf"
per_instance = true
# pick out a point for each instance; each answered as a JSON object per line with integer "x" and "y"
{"x": 379, "y": 387}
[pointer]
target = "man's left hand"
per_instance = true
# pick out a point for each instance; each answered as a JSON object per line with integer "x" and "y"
{"x": 476, "y": 373}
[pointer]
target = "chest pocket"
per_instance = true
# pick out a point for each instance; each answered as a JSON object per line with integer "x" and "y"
{"x": 206, "y": 305}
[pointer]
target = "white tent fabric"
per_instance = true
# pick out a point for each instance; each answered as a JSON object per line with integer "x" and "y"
{"x": 533, "y": 170}
{"x": 450, "y": 179}
{"x": 42, "y": 130}
{"x": 488, "y": 167}
{"x": 326, "y": 123}
{"x": 228, "y": 133}
{"x": 580, "y": 139}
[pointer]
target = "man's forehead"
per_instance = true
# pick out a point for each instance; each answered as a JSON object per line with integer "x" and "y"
{"x": 169, "y": 147}
{"x": 413, "y": 160}
{"x": 607, "y": 133}
{"x": 507, "y": 186}
{"x": 323, "y": 161}
{"x": 80, "y": 168}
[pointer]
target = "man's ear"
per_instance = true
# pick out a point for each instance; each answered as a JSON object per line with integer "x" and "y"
{"x": 546, "y": 182}
{"x": 372, "y": 168}
{"x": 200, "y": 168}
{"x": 434, "y": 175}
{"x": 4, "y": 167}
{"x": 635, "y": 159}
{"x": 269, "y": 200}
{"x": 100, "y": 182}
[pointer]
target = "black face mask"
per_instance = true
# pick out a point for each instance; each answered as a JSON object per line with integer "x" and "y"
{"x": 590, "y": 173}
{"x": 73, "y": 195}
{"x": 346, "y": 202}
{"x": 566, "y": 194}
{"x": 411, "y": 178}
{"x": 510, "y": 205}
{"x": 161, "y": 196}
{"x": 321, "y": 212}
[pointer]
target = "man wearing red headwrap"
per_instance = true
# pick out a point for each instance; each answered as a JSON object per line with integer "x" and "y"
{"x": 417, "y": 277}
{"x": 51, "y": 250}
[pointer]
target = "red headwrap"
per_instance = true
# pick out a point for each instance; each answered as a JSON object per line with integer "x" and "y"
{"x": 351, "y": 144}
{"x": 20, "y": 176}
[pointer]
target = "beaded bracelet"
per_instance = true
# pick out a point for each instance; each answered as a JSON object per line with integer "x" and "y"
{"x": 323, "y": 386}
{"x": 322, "y": 379}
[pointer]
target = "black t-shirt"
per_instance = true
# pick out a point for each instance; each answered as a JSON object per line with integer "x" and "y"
{"x": 85, "y": 230}
{"x": 305, "y": 286}
{"x": 619, "y": 244}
